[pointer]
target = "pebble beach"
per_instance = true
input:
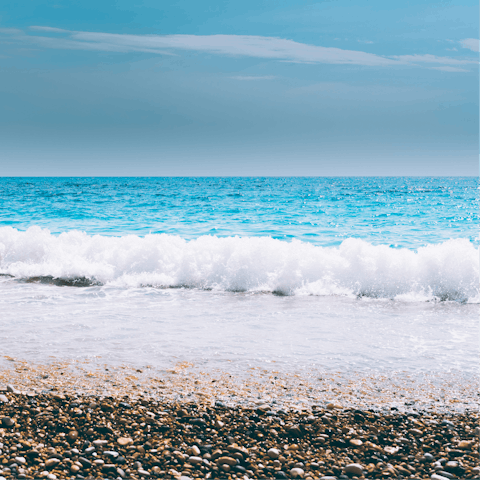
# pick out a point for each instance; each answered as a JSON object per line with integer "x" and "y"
{"x": 63, "y": 436}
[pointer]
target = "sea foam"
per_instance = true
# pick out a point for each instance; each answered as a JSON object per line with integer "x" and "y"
{"x": 445, "y": 271}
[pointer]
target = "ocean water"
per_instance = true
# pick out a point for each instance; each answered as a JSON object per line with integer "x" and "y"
{"x": 359, "y": 274}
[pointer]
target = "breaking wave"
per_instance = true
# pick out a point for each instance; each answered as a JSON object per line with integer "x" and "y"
{"x": 446, "y": 271}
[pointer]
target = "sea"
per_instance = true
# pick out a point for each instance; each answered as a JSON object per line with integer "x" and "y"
{"x": 344, "y": 274}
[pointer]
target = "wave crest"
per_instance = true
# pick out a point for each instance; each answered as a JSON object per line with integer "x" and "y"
{"x": 446, "y": 271}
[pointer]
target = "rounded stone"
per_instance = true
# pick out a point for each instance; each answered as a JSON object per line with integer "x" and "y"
{"x": 124, "y": 441}
{"x": 354, "y": 469}
{"x": 297, "y": 472}
{"x": 273, "y": 453}
{"x": 8, "y": 422}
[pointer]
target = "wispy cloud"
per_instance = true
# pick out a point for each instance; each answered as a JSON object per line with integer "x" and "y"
{"x": 227, "y": 45}
{"x": 446, "y": 68}
{"x": 252, "y": 77}
{"x": 369, "y": 42}
{"x": 470, "y": 43}
{"x": 434, "y": 59}
{"x": 48, "y": 29}
{"x": 232, "y": 45}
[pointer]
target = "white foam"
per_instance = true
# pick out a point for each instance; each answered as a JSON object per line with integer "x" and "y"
{"x": 447, "y": 271}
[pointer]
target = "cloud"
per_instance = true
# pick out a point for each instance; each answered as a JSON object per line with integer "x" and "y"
{"x": 228, "y": 45}
{"x": 232, "y": 45}
{"x": 470, "y": 43}
{"x": 10, "y": 31}
{"x": 365, "y": 41}
{"x": 48, "y": 29}
{"x": 434, "y": 59}
{"x": 449, "y": 69}
{"x": 252, "y": 77}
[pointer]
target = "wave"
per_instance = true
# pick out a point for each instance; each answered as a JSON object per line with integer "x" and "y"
{"x": 446, "y": 271}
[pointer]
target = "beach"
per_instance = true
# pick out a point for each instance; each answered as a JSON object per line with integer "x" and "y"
{"x": 249, "y": 328}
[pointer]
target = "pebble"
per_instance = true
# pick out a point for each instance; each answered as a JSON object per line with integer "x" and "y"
{"x": 8, "y": 422}
{"x": 435, "y": 476}
{"x": 100, "y": 443}
{"x": 124, "y": 441}
{"x": 354, "y": 469}
{"x": 297, "y": 472}
{"x": 161, "y": 439}
{"x": 52, "y": 462}
{"x": 446, "y": 474}
{"x": 194, "y": 450}
{"x": 226, "y": 461}
{"x": 273, "y": 453}
{"x": 3, "y": 399}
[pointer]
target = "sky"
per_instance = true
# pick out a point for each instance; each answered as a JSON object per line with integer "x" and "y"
{"x": 243, "y": 88}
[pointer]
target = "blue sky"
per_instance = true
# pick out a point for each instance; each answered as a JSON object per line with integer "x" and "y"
{"x": 239, "y": 88}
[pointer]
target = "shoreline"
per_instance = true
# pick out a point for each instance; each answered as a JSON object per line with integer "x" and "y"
{"x": 58, "y": 435}
{"x": 382, "y": 391}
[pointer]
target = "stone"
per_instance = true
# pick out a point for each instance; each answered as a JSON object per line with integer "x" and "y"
{"x": 195, "y": 460}
{"x": 273, "y": 453}
{"x": 8, "y": 422}
{"x": 428, "y": 457}
{"x": 124, "y": 441}
{"x": 100, "y": 443}
{"x": 72, "y": 436}
{"x": 354, "y": 469}
{"x": 20, "y": 460}
{"x": 3, "y": 399}
{"x": 355, "y": 442}
{"x": 435, "y": 476}
{"x": 466, "y": 444}
{"x": 297, "y": 472}
{"x": 194, "y": 451}
{"x": 226, "y": 461}
{"x": 86, "y": 463}
{"x": 12, "y": 389}
{"x": 111, "y": 454}
{"x": 446, "y": 474}
{"x": 52, "y": 462}
{"x": 451, "y": 465}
